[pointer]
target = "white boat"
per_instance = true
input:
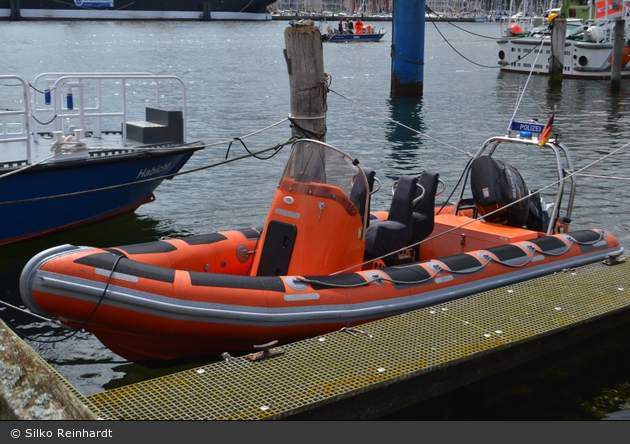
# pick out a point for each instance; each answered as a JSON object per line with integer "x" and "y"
{"x": 589, "y": 42}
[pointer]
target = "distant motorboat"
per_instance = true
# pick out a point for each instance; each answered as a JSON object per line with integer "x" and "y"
{"x": 366, "y": 33}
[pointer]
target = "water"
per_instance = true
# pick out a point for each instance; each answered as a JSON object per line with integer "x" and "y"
{"x": 237, "y": 83}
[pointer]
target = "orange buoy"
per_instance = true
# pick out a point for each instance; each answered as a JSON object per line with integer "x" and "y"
{"x": 515, "y": 29}
{"x": 625, "y": 57}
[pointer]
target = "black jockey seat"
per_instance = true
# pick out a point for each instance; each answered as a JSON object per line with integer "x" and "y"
{"x": 394, "y": 233}
{"x": 424, "y": 208}
{"x": 358, "y": 194}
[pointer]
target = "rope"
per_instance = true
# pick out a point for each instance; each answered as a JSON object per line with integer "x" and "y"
{"x": 44, "y": 123}
{"x": 471, "y": 156}
{"x": 378, "y": 279}
{"x": 308, "y": 133}
{"x": 603, "y": 177}
{"x": 278, "y": 147}
{"x": 531, "y": 72}
{"x": 109, "y": 279}
{"x": 403, "y": 125}
{"x": 569, "y": 175}
{"x": 19, "y": 170}
{"x": 459, "y": 53}
{"x": 68, "y": 144}
{"x": 431, "y": 11}
{"x": 454, "y": 188}
{"x": 247, "y": 135}
{"x": 41, "y": 92}
{"x": 167, "y": 176}
{"x": 500, "y": 209}
{"x": 412, "y": 62}
{"x": 54, "y": 321}
{"x": 77, "y": 330}
{"x": 291, "y": 140}
{"x": 478, "y": 35}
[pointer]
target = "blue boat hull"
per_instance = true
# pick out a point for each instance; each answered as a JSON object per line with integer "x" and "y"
{"x": 56, "y": 196}
{"x": 354, "y": 38}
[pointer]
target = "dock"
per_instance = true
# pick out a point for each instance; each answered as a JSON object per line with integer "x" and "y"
{"x": 379, "y": 367}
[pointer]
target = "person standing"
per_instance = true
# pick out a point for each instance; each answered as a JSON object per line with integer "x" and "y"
{"x": 358, "y": 27}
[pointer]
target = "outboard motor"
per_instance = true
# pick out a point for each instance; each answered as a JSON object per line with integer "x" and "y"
{"x": 495, "y": 185}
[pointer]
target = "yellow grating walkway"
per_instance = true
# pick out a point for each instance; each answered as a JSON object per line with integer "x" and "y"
{"x": 338, "y": 365}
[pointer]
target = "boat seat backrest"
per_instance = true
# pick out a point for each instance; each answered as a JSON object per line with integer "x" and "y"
{"x": 395, "y": 232}
{"x": 277, "y": 249}
{"x": 424, "y": 209}
{"x": 359, "y": 193}
{"x": 537, "y": 218}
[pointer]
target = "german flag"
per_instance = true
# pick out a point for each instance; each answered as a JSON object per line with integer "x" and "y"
{"x": 546, "y": 133}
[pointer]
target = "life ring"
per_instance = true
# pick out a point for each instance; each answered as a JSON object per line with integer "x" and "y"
{"x": 364, "y": 31}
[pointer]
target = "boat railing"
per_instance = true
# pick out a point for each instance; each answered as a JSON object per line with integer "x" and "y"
{"x": 14, "y": 123}
{"x": 564, "y": 167}
{"x": 71, "y": 99}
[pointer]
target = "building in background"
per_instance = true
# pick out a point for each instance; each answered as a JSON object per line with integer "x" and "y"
{"x": 335, "y": 6}
{"x": 441, "y": 7}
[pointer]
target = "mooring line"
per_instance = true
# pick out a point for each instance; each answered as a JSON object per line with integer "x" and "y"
{"x": 603, "y": 177}
{"x": 15, "y": 307}
{"x": 402, "y": 124}
{"x": 237, "y": 139}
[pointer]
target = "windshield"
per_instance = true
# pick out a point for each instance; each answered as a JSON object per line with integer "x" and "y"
{"x": 315, "y": 163}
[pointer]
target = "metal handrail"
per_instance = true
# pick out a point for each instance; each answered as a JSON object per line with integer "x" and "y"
{"x": 27, "y": 117}
{"x": 59, "y": 84}
{"x": 49, "y": 79}
{"x": 63, "y": 84}
{"x": 557, "y": 148}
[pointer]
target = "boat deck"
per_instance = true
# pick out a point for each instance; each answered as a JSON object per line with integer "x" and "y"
{"x": 362, "y": 372}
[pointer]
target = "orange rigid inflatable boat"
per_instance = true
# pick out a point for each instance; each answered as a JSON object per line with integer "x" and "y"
{"x": 322, "y": 261}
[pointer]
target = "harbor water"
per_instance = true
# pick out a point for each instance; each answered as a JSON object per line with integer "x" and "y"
{"x": 237, "y": 84}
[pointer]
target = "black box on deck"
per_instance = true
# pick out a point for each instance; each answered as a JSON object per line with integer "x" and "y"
{"x": 160, "y": 126}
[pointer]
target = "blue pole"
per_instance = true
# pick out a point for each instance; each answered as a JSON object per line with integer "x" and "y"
{"x": 408, "y": 47}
